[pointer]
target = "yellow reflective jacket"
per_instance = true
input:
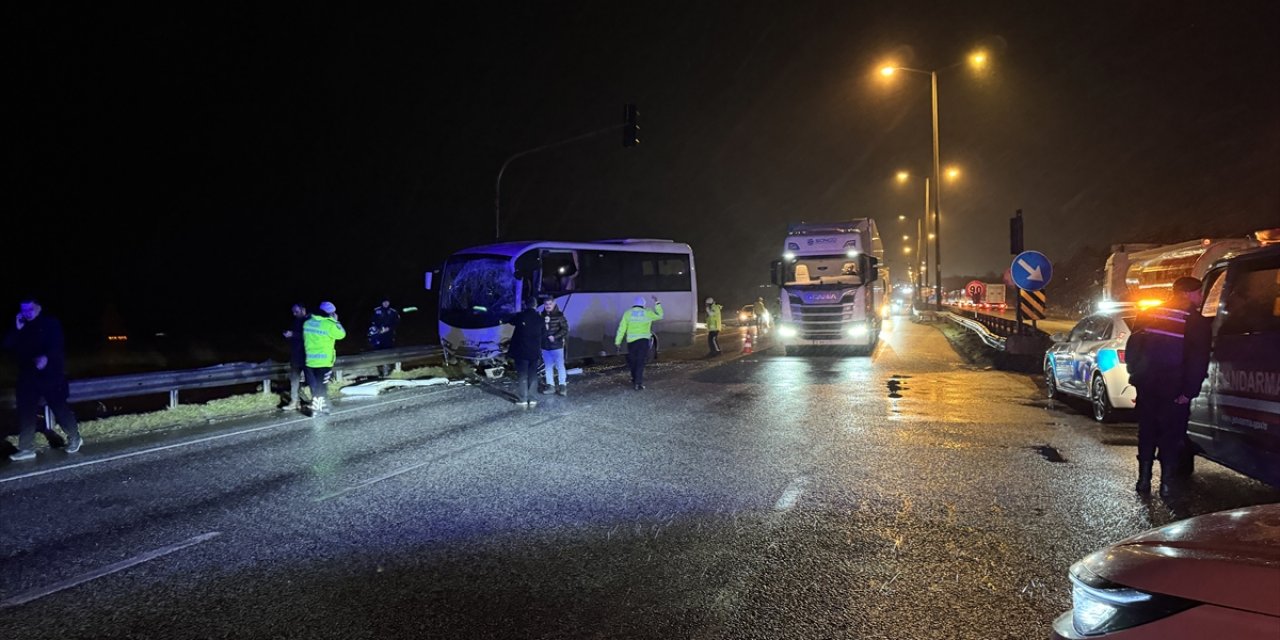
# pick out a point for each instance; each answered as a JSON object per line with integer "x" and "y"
{"x": 637, "y": 324}
{"x": 715, "y": 322}
{"x": 318, "y": 335}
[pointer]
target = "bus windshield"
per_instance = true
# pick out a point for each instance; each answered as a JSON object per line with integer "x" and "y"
{"x": 479, "y": 291}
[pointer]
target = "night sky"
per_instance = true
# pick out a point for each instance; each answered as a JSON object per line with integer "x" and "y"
{"x": 204, "y": 168}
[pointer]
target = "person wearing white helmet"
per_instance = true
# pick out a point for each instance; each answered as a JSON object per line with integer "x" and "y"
{"x": 319, "y": 333}
{"x": 715, "y": 322}
{"x": 636, "y": 327}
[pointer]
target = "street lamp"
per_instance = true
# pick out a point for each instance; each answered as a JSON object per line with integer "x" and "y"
{"x": 977, "y": 59}
{"x": 922, "y": 251}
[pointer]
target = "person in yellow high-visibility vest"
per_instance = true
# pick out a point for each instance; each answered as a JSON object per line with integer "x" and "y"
{"x": 715, "y": 322}
{"x": 635, "y": 328}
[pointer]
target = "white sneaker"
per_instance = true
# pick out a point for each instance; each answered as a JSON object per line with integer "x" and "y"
{"x": 23, "y": 454}
{"x": 73, "y": 444}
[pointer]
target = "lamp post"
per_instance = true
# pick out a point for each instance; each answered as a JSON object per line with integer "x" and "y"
{"x": 977, "y": 59}
{"x": 922, "y": 244}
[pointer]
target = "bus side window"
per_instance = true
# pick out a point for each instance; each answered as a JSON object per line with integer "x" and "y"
{"x": 559, "y": 271}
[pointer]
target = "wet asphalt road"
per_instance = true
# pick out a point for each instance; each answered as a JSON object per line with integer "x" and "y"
{"x": 906, "y": 495}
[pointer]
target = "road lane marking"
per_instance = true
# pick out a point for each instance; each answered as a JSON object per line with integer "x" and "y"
{"x": 404, "y": 470}
{"x": 131, "y": 454}
{"x": 791, "y": 494}
{"x": 40, "y": 592}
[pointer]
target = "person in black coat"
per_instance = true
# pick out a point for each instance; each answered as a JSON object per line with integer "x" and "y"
{"x": 1168, "y": 361}
{"x": 297, "y": 355}
{"x": 526, "y": 349}
{"x": 38, "y": 342}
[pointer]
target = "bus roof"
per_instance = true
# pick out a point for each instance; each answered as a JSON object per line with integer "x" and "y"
{"x": 514, "y": 249}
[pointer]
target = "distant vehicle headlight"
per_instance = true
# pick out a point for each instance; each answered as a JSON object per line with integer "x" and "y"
{"x": 787, "y": 331}
{"x": 742, "y": 316}
{"x": 1099, "y": 606}
{"x": 858, "y": 330}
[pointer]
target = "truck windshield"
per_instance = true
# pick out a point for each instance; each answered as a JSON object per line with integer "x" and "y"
{"x": 479, "y": 291}
{"x": 820, "y": 270}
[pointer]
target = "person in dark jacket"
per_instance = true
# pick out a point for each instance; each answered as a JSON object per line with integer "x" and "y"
{"x": 555, "y": 329}
{"x": 38, "y": 343}
{"x": 1168, "y": 361}
{"x": 297, "y": 356}
{"x": 382, "y": 330}
{"x": 525, "y": 348}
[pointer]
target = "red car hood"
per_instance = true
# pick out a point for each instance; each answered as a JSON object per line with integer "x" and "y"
{"x": 1228, "y": 558}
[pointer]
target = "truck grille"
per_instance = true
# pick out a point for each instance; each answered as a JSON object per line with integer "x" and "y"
{"x": 823, "y": 321}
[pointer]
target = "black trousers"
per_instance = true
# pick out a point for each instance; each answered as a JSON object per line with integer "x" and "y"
{"x": 1162, "y": 428}
{"x": 713, "y": 341}
{"x": 318, "y": 380}
{"x": 637, "y": 354}
{"x": 54, "y": 392}
{"x": 526, "y": 384}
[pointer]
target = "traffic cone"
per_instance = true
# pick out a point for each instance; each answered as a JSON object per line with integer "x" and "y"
{"x": 746, "y": 342}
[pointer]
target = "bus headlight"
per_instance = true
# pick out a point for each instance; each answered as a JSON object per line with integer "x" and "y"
{"x": 787, "y": 331}
{"x": 858, "y": 330}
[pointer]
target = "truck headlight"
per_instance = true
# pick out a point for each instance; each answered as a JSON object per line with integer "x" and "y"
{"x": 858, "y": 330}
{"x": 787, "y": 331}
{"x": 1099, "y": 606}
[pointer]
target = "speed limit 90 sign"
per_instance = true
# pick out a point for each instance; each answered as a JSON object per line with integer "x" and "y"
{"x": 975, "y": 288}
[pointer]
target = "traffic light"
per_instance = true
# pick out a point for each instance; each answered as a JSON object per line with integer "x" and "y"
{"x": 630, "y": 129}
{"x": 1015, "y": 234}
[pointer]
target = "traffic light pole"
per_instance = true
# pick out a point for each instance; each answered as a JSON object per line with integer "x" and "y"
{"x": 497, "y": 191}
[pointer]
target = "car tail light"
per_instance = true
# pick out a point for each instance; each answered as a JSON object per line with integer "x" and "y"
{"x": 1120, "y": 355}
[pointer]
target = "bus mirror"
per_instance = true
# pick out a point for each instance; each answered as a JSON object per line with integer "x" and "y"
{"x": 868, "y": 268}
{"x": 775, "y": 269}
{"x": 430, "y": 275}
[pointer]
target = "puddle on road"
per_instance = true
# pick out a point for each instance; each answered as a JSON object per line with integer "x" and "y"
{"x": 1050, "y": 453}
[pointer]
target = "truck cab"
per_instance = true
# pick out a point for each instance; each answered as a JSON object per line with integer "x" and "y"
{"x": 831, "y": 288}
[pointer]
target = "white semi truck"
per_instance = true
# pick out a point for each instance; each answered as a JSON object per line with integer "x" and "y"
{"x": 832, "y": 288}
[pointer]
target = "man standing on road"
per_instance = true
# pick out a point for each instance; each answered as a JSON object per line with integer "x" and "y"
{"x": 715, "y": 322}
{"x": 636, "y": 327}
{"x": 320, "y": 332}
{"x": 525, "y": 348}
{"x": 555, "y": 329}
{"x": 382, "y": 330}
{"x": 297, "y": 356}
{"x": 39, "y": 345}
{"x": 1168, "y": 360}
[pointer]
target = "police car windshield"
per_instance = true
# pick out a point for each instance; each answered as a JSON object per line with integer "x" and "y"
{"x": 479, "y": 291}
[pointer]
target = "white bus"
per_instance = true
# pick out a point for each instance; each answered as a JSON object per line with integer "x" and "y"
{"x": 592, "y": 282}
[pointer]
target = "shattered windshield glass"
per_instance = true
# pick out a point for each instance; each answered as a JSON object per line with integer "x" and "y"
{"x": 479, "y": 291}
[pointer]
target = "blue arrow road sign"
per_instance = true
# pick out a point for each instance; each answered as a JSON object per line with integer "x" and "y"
{"x": 1031, "y": 270}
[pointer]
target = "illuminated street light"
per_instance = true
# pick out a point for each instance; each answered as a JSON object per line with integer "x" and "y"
{"x": 906, "y": 238}
{"x": 922, "y": 248}
{"x": 953, "y": 173}
{"x": 978, "y": 59}
{"x": 901, "y": 218}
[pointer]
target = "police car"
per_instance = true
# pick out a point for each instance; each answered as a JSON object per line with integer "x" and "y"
{"x": 1088, "y": 362}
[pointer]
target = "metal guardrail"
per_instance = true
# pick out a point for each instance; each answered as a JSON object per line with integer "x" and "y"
{"x": 992, "y": 340}
{"x": 222, "y": 375}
